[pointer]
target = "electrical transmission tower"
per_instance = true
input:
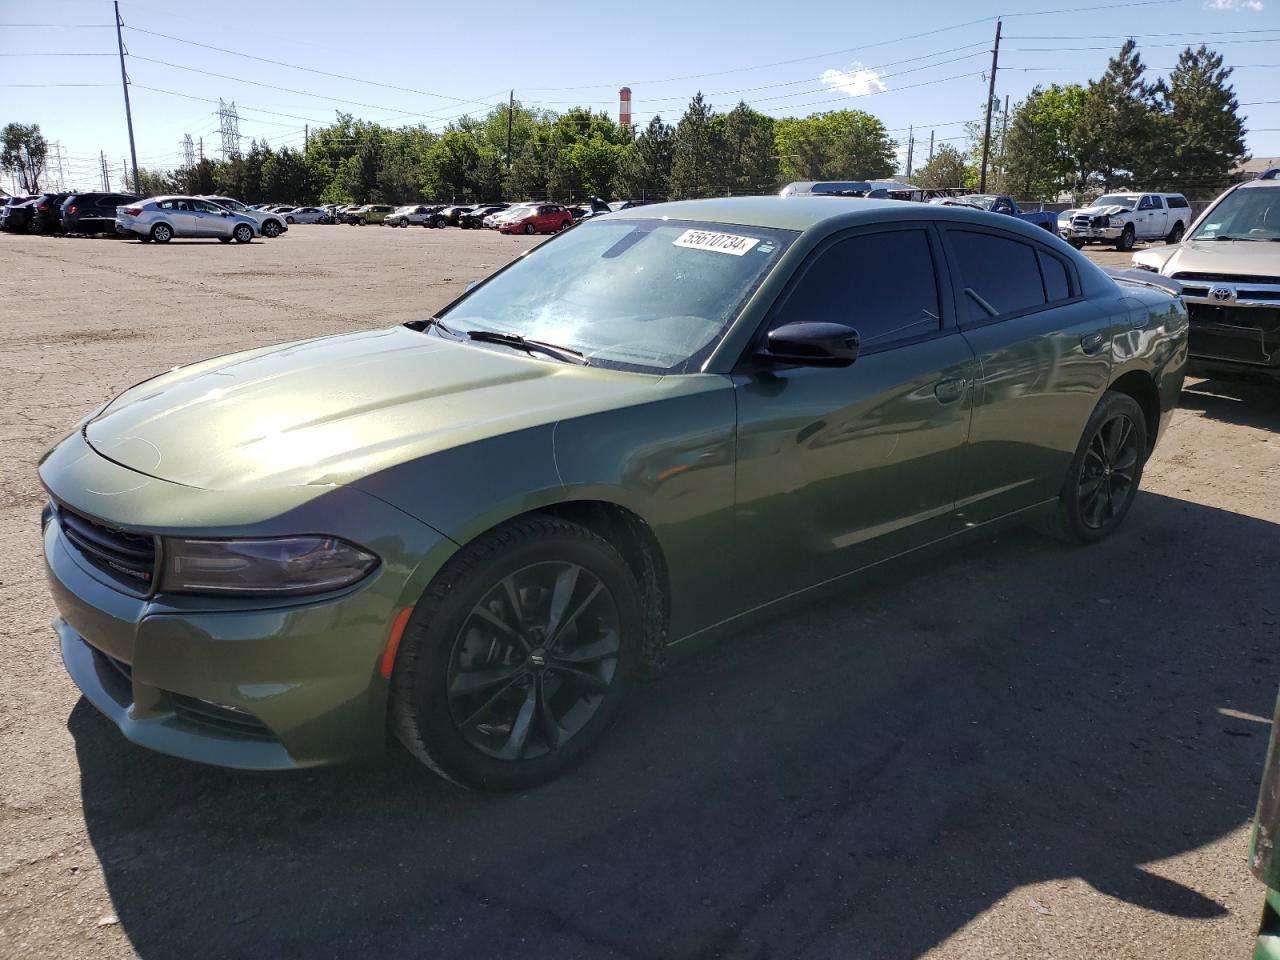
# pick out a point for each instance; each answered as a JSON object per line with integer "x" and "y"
{"x": 229, "y": 126}
{"x": 57, "y": 157}
{"x": 188, "y": 151}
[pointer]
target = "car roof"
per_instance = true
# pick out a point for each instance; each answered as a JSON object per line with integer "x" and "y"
{"x": 1259, "y": 183}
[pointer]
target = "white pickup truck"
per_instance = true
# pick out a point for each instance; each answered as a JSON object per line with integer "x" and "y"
{"x": 1125, "y": 218}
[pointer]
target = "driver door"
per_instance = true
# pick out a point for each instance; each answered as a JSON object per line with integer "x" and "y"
{"x": 839, "y": 468}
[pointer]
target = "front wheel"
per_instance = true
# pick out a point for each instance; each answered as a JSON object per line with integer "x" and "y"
{"x": 517, "y": 657}
{"x": 1127, "y": 238}
{"x": 270, "y": 230}
{"x": 224, "y": 239}
{"x": 530, "y": 229}
{"x": 290, "y": 220}
{"x": 1078, "y": 244}
{"x": 1104, "y": 474}
{"x": 243, "y": 233}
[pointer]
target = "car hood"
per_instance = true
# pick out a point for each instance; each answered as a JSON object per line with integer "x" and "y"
{"x": 1218, "y": 257}
{"x": 332, "y": 410}
{"x": 1111, "y": 210}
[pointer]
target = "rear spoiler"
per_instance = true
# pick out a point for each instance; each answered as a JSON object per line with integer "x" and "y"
{"x": 1146, "y": 278}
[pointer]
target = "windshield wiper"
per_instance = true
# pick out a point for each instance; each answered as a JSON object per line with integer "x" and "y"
{"x": 422, "y": 325}
{"x": 529, "y": 346}
{"x": 1228, "y": 236}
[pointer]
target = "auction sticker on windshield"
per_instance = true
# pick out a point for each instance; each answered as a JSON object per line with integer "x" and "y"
{"x": 718, "y": 242}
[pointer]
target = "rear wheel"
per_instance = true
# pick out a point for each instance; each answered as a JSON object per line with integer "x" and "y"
{"x": 1175, "y": 235}
{"x": 161, "y": 233}
{"x": 566, "y": 224}
{"x": 1104, "y": 474}
{"x": 224, "y": 239}
{"x": 243, "y": 233}
{"x": 517, "y": 657}
{"x": 1078, "y": 244}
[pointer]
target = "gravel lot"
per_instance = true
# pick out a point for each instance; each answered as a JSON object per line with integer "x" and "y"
{"x": 1015, "y": 750}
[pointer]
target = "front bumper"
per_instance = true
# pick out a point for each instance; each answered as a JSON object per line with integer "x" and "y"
{"x": 248, "y": 683}
{"x": 1093, "y": 233}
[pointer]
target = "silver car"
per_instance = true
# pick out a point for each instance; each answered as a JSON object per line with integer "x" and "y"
{"x": 270, "y": 223}
{"x": 163, "y": 218}
{"x": 306, "y": 215}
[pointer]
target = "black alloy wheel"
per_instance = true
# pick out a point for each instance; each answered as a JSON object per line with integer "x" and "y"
{"x": 270, "y": 230}
{"x": 533, "y": 660}
{"x": 517, "y": 656}
{"x": 1103, "y": 478}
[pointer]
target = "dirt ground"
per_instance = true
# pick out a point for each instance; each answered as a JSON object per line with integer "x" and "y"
{"x": 1018, "y": 749}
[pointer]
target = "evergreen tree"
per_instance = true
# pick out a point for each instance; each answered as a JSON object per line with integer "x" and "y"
{"x": 1202, "y": 133}
{"x": 644, "y": 169}
{"x": 697, "y": 153}
{"x": 751, "y": 158}
{"x": 1116, "y": 131}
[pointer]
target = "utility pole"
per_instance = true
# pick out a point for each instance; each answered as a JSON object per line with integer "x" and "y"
{"x": 106, "y": 177}
{"x": 306, "y": 138}
{"x": 931, "y": 133}
{"x": 911, "y": 145}
{"x": 511, "y": 107}
{"x": 128, "y": 111}
{"x": 991, "y": 95}
{"x": 1004, "y": 127}
{"x": 202, "y": 149}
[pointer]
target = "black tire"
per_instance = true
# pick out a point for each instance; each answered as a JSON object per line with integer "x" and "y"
{"x": 1175, "y": 235}
{"x": 144, "y": 239}
{"x": 1127, "y": 238}
{"x": 455, "y": 725}
{"x": 437, "y": 223}
{"x": 162, "y": 233}
{"x": 224, "y": 239}
{"x": 530, "y": 229}
{"x": 1078, "y": 244}
{"x": 290, "y": 220}
{"x": 270, "y": 230}
{"x": 243, "y": 233}
{"x": 1104, "y": 474}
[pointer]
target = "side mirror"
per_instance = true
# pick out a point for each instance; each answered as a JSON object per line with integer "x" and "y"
{"x": 811, "y": 344}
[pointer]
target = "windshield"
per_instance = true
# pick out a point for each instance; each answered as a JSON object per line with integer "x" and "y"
{"x": 1245, "y": 213}
{"x": 651, "y": 295}
{"x": 1115, "y": 200}
{"x": 982, "y": 201}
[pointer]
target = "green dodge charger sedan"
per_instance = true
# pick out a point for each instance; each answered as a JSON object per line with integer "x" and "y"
{"x": 472, "y": 531}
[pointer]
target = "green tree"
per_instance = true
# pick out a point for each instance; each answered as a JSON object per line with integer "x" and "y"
{"x": 948, "y": 168}
{"x": 1039, "y": 157}
{"x": 1116, "y": 131}
{"x": 751, "y": 155}
{"x": 450, "y": 164}
{"x": 840, "y": 145}
{"x": 286, "y": 177}
{"x": 153, "y": 183}
{"x": 1202, "y": 134}
{"x": 23, "y": 154}
{"x": 644, "y": 169}
{"x": 697, "y": 154}
{"x": 197, "y": 179}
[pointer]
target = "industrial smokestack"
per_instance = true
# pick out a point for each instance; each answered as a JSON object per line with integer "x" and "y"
{"x": 624, "y": 106}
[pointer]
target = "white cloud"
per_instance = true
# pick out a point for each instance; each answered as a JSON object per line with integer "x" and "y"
{"x": 1255, "y": 5}
{"x": 858, "y": 80}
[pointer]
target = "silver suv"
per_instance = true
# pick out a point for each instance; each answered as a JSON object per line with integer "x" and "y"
{"x": 163, "y": 218}
{"x": 1229, "y": 268}
{"x": 270, "y": 224}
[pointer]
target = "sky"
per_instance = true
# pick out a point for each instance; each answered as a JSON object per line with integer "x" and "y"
{"x": 920, "y": 64}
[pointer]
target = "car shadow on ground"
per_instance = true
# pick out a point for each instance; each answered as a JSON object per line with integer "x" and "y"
{"x": 1249, "y": 403}
{"x": 859, "y": 779}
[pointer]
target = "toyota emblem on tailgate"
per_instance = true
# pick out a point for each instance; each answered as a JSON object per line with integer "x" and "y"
{"x": 1222, "y": 294}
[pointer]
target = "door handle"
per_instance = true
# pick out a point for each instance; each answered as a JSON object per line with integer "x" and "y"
{"x": 949, "y": 391}
{"x": 1091, "y": 343}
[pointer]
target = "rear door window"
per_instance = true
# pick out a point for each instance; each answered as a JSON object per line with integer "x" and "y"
{"x": 999, "y": 276}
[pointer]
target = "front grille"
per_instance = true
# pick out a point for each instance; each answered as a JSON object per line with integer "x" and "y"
{"x": 214, "y": 716}
{"x": 1241, "y": 334}
{"x": 128, "y": 557}
{"x": 1223, "y": 278}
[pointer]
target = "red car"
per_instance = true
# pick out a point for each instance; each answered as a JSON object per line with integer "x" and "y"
{"x": 539, "y": 218}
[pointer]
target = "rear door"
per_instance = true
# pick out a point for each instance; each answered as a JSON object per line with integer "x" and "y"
{"x": 1042, "y": 365}
{"x": 839, "y": 468}
{"x": 1151, "y": 216}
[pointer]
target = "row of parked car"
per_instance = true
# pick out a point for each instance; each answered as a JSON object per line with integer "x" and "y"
{"x": 524, "y": 217}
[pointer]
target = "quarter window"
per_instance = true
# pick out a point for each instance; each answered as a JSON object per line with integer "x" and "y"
{"x": 999, "y": 274}
{"x": 1056, "y": 285}
{"x": 882, "y": 285}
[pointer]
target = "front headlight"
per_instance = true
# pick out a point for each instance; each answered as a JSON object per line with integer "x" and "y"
{"x": 276, "y": 566}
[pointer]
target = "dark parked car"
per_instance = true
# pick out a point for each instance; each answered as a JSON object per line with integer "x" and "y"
{"x": 48, "y": 213}
{"x": 474, "y": 529}
{"x": 6, "y": 204}
{"x": 18, "y": 216}
{"x": 448, "y": 216}
{"x": 93, "y": 212}
{"x": 473, "y": 219}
